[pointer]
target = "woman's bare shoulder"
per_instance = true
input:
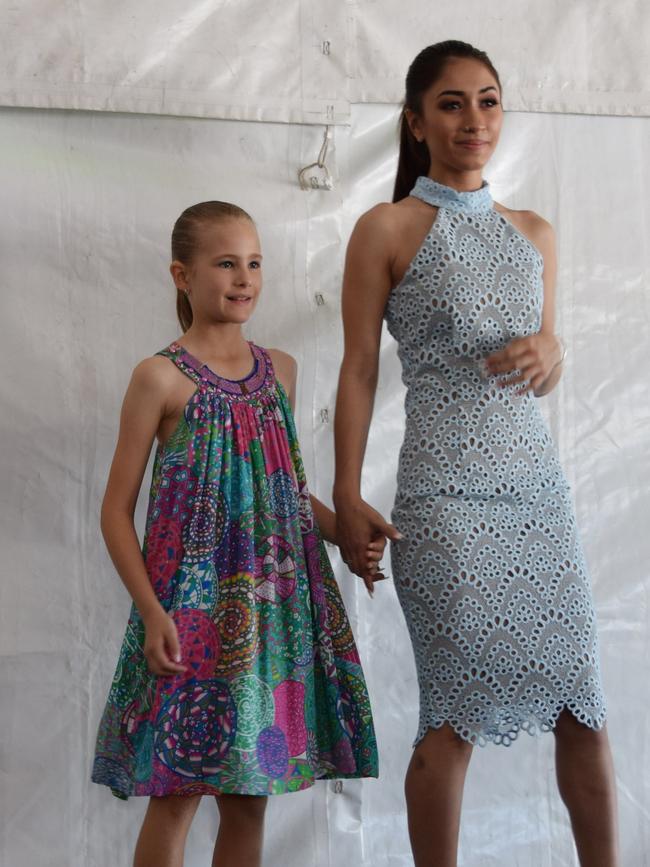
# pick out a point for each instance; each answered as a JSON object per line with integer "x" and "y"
{"x": 383, "y": 225}
{"x": 538, "y": 230}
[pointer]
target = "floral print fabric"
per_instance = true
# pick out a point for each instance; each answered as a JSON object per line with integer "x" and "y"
{"x": 273, "y": 696}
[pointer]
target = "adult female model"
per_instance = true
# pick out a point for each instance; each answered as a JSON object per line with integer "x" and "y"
{"x": 486, "y": 558}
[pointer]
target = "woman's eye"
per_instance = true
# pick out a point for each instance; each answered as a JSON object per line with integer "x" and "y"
{"x": 491, "y": 102}
{"x": 450, "y": 106}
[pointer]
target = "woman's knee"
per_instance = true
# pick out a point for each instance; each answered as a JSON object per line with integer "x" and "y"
{"x": 570, "y": 731}
{"x": 440, "y": 746}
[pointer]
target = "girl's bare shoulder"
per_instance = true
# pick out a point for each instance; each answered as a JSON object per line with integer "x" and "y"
{"x": 156, "y": 375}
{"x": 284, "y": 364}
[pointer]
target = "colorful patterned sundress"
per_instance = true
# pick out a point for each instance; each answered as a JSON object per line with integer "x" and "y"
{"x": 274, "y": 696}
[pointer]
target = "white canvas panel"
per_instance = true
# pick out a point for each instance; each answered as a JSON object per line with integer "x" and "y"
{"x": 586, "y": 56}
{"x": 90, "y": 200}
{"x": 277, "y": 61}
{"x": 302, "y": 61}
{"x": 89, "y": 204}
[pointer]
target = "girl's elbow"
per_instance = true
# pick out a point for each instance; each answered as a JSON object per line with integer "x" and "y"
{"x": 113, "y": 513}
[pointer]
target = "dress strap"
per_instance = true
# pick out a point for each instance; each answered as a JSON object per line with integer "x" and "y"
{"x": 261, "y": 377}
{"x": 174, "y": 352}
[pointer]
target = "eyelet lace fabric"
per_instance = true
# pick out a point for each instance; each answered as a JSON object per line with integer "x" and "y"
{"x": 491, "y": 574}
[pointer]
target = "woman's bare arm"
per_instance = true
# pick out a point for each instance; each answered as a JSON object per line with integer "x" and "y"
{"x": 536, "y": 356}
{"x": 366, "y": 286}
{"x": 544, "y": 239}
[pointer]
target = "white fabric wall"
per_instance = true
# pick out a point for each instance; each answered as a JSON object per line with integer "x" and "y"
{"x": 307, "y": 61}
{"x": 88, "y": 204}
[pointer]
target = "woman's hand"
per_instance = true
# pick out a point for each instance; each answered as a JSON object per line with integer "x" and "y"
{"x": 361, "y": 533}
{"x": 534, "y": 357}
{"x": 161, "y": 646}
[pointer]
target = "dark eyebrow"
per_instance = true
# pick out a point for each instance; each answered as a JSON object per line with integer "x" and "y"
{"x": 462, "y": 92}
{"x": 235, "y": 256}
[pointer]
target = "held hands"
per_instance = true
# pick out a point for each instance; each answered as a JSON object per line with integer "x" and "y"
{"x": 161, "y": 646}
{"x": 361, "y": 534}
{"x": 534, "y": 357}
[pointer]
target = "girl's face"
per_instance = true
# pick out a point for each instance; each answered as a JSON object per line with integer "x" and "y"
{"x": 224, "y": 279}
{"x": 461, "y": 117}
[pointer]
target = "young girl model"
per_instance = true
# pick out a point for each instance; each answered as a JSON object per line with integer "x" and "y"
{"x": 489, "y": 570}
{"x": 238, "y": 675}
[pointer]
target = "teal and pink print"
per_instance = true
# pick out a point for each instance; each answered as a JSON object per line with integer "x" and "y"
{"x": 273, "y": 696}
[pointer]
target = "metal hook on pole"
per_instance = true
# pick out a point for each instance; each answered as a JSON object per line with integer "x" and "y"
{"x": 316, "y": 176}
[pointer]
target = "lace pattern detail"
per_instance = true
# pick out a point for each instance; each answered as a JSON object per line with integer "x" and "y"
{"x": 491, "y": 573}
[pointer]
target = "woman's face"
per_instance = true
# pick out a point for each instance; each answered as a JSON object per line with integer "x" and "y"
{"x": 461, "y": 117}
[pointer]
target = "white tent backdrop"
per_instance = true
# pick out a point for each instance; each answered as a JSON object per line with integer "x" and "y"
{"x": 306, "y": 61}
{"x": 88, "y": 204}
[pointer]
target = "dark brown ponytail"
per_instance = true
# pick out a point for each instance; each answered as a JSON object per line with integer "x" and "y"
{"x": 185, "y": 242}
{"x": 428, "y": 66}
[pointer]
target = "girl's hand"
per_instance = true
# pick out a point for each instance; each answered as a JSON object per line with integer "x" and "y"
{"x": 358, "y": 529}
{"x": 161, "y": 647}
{"x": 534, "y": 357}
{"x": 374, "y": 554}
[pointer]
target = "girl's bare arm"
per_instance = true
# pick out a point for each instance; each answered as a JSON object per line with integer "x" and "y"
{"x": 287, "y": 370}
{"x": 142, "y": 411}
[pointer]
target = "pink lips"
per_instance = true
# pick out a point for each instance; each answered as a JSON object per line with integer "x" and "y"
{"x": 472, "y": 144}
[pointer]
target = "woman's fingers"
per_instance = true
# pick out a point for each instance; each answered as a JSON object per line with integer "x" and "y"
{"x": 362, "y": 533}
{"x": 521, "y": 363}
{"x": 389, "y": 530}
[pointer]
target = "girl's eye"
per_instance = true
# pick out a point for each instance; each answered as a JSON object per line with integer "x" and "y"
{"x": 255, "y": 264}
{"x": 225, "y": 264}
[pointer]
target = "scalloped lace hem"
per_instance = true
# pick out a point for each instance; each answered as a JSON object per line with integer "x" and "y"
{"x": 504, "y": 733}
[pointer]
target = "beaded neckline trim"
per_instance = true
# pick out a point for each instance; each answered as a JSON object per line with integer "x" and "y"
{"x": 250, "y": 383}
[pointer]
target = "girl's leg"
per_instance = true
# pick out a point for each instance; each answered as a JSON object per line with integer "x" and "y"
{"x": 434, "y": 793}
{"x": 162, "y": 837}
{"x": 241, "y": 829}
{"x": 585, "y": 775}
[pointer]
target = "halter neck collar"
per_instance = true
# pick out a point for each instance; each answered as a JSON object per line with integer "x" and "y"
{"x": 471, "y": 202}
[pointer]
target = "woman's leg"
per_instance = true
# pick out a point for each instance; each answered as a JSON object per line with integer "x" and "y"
{"x": 241, "y": 830}
{"x": 585, "y": 775}
{"x": 162, "y": 837}
{"x": 434, "y": 793}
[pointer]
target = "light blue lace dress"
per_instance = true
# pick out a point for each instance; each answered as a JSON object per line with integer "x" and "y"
{"x": 490, "y": 575}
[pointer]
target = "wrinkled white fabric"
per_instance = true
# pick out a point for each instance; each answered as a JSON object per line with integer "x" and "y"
{"x": 301, "y": 61}
{"x": 89, "y": 201}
